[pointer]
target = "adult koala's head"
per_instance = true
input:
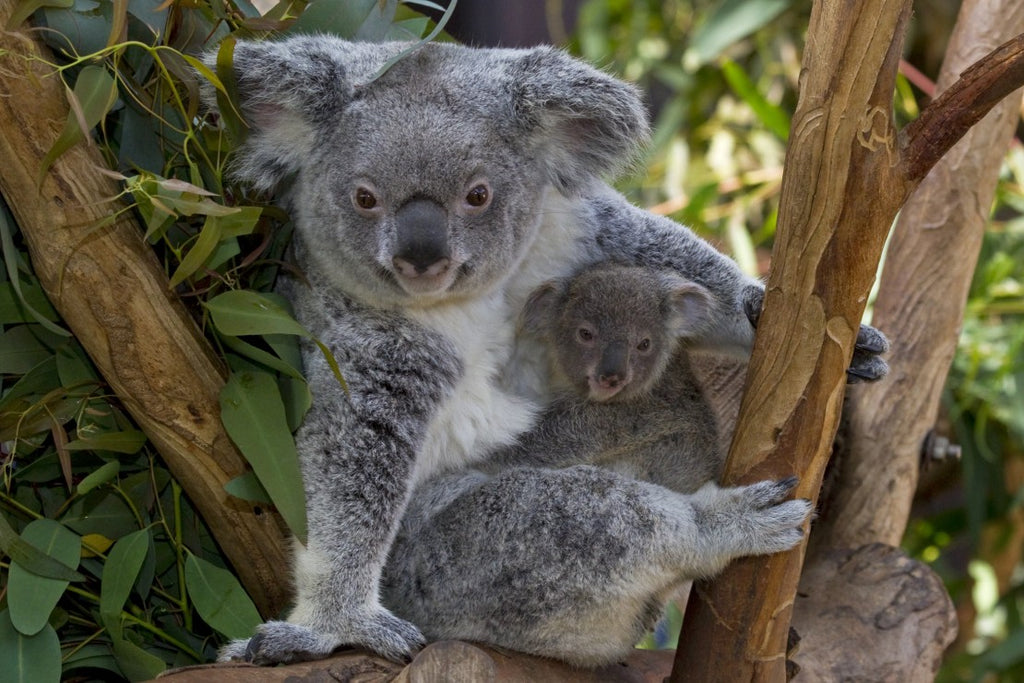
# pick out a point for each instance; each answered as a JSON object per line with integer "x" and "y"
{"x": 426, "y": 183}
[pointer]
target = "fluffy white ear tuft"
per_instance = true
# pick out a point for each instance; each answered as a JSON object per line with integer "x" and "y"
{"x": 689, "y": 306}
{"x": 582, "y": 122}
{"x": 286, "y": 90}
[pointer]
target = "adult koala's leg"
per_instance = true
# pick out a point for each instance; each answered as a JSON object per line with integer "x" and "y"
{"x": 575, "y": 563}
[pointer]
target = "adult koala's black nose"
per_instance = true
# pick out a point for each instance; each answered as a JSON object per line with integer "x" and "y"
{"x": 421, "y": 244}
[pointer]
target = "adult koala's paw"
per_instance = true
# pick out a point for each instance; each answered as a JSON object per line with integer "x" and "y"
{"x": 281, "y": 642}
{"x": 866, "y": 365}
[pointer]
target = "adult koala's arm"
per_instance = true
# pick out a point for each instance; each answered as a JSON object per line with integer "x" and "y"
{"x": 623, "y": 232}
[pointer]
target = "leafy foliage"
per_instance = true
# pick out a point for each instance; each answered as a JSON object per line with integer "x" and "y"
{"x": 110, "y": 573}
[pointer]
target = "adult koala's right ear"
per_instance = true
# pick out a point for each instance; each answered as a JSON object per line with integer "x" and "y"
{"x": 286, "y": 89}
{"x": 582, "y": 122}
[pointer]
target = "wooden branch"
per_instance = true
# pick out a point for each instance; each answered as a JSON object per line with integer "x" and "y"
{"x": 921, "y": 297}
{"x": 962, "y": 104}
{"x": 440, "y": 662}
{"x": 113, "y": 294}
{"x": 873, "y": 614}
{"x": 847, "y": 174}
{"x": 842, "y": 150}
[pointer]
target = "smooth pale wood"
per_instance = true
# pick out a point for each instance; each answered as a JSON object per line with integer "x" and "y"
{"x": 113, "y": 294}
{"x": 920, "y": 305}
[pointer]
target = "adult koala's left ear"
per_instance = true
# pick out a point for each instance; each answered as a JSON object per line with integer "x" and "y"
{"x": 581, "y": 122}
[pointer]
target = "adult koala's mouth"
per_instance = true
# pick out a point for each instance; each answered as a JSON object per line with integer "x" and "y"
{"x": 435, "y": 280}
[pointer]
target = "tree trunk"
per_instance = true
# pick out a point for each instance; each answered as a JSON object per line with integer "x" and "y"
{"x": 847, "y": 174}
{"x": 113, "y": 294}
{"x": 921, "y": 297}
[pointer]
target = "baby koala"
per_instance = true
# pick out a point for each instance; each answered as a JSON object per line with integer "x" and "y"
{"x": 625, "y": 397}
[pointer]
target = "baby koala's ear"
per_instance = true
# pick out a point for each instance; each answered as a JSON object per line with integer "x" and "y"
{"x": 689, "y": 306}
{"x": 538, "y": 315}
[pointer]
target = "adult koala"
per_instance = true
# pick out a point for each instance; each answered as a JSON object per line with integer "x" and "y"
{"x": 428, "y": 203}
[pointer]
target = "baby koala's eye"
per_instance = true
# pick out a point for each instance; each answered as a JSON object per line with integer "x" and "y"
{"x": 644, "y": 345}
{"x": 478, "y": 196}
{"x": 364, "y": 199}
{"x": 585, "y": 335}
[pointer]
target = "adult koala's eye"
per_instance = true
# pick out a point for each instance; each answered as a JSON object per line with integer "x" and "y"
{"x": 644, "y": 345}
{"x": 364, "y": 199}
{"x": 585, "y": 335}
{"x": 478, "y": 196}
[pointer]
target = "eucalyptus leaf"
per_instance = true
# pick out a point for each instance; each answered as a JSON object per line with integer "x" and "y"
{"x": 254, "y": 418}
{"x": 135, "y": 663}
{"x": 21, "y": 350}
{"x": 28, "y": 659}
{"x": 31, "y": 597}
{"x": 128, "y": 441}
{"x": 220, "y": 599}
{"x": 95, "y": 92}
{"x": 248, "y": 487}
{"x": 731, "y": 21}
{"x": 104, "y": 474}
{"x": 120, "y": 571}
{"x": 26, "y": 8}
{"x": 31, "y": 558}
{"x": 241, "y": 312}
{"x": 100, "y": 512}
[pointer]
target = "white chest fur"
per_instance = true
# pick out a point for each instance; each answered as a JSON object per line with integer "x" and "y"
{"x": 486, "y": 410}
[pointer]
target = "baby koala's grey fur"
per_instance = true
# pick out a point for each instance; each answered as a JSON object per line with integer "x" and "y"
{"x": 625, "y": 397}
{"x": 429, "y": 200}
{"x": 543, "y": 549}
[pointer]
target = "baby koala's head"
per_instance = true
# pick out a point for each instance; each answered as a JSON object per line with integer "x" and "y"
{"x": 612, "y": 329}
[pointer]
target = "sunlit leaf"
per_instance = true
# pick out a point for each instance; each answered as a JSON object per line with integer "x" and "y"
{"x": 104, "y": 474}
{"x": 220, "y": 599}
{"x": 254, "y": 417}
{"x": 31, "y": 597}
{"x": 771, "y": 117}
{"x": 199, "y": 252}
{"x": 95, "y": 92}
{"x": 731, "y": 21}
{"x": 26, "y": 8}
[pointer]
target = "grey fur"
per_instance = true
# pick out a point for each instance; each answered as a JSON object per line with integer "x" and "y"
{"x": 657, "y": 425}
{"x": 423, "y": 352}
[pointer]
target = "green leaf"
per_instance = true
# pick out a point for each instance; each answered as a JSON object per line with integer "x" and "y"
{"x": 343, "y": 18}
{"x": 199, "y": 253}
{"x": 31, "y": 558}
{"x": 261, "y": 356}
{"x": 120, "y": 571}
{"x": 239, "y": 312}
{"x": 28, "y": 7}
{"x": 91, "y": 656}
{"x": 135, "y": 663}
{"x": 28, "y": 659}
{"x": 772, "y": 117}
{"x": 21, "y": 350}
{"x": 31, "y": 597}
{"x": 254, "y": 418}
{"x": 220, "y": 599}
{"x": 101, "y": 476}
{"x": 94, "y": 94}
{"x": 128, "y": 441}
{"x": 730, "y": 22}
{"x": 100, "y": 512}
{"x": 247, "y": 487}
